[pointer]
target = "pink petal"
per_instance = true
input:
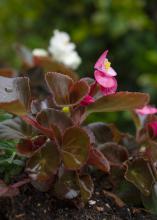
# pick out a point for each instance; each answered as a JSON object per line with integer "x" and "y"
{"x": 153, "y": 127}
{"x": 146, "y": 110}
{"x": 103, "y": 80}
{"x": 109, "y": 91}
{"x": 87, "y": 100}
{"x": 111, "y": 72}
{"x": 100, "y": 62}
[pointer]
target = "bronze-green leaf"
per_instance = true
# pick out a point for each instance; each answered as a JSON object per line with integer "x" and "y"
{"x": 66, "y": 187}
{"x": 120, "y": 101}
{"x": 64, "y": 90}
{"x": 49, "y": 117}
{"x": 150, "y": 202}
{"x": 115, "y": 153}
{"x": 96, "y": 158}
{"x": 59, "y": 86}
{"x": 75, "y": 148}
{"x": 139, "y": 173}
{"x": 43, "y": 165}
{"x": 104, "y": 132}
{"x": 86, "y": 187}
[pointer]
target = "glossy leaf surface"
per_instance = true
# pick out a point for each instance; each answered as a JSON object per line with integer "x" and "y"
{"x": 75, "y": 148}
{"x": 120, "y": 101}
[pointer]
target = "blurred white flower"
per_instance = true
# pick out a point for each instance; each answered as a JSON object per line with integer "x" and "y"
{"x": 39, "y": 52}
{"x": 63, "y": 50}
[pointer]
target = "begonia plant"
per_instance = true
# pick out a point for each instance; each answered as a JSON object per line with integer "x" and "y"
{"x": 57, "y": 144}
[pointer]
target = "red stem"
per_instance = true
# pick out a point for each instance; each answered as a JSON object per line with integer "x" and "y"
{"x": 20, "y": 183}
{"x": 48, "y": 132}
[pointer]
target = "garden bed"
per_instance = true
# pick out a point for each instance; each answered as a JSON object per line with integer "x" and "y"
{"x": 34, "y": 205}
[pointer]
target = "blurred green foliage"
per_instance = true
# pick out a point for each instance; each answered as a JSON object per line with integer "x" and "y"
{"x": 10, "y": 163}
{"x": 128, "y": 28}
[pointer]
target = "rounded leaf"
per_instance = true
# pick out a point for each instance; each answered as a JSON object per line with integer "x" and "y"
{"x": 75, "y": 148}
{"x": 138, "y": 172}
{"x": 43, "y": 165}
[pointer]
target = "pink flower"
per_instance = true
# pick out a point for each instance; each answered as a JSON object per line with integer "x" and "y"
{"x": 146, "y": 110}
{"x": 87, "y": 100}
{"x": 105, "y": 75}
{"x": 153, "y": 128}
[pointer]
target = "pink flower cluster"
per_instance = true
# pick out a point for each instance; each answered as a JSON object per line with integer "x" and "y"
{"x": 149, "y": 110}
{"x": 104, "y": 76}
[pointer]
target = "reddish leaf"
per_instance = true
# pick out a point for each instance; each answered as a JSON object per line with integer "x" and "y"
{"x": 68, "y": 95}
{"x": 46, "y": 131}
{"x": 116, "y": 154}
{"x": 104, "y": 132}
{"x": 97, "y": 159}
{"x": 25, "y": 147}
{"x": 120, "y": 101}
{"x": 28, "y": 147}
{"x": 6, "y": 72}
{"x": 49, "y": 64}
{"x": 52, "y": 117}
{"x": 11, "y": 190}
{"x": 78, "y": 91}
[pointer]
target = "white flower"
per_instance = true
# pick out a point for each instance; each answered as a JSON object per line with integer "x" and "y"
{"x": 63, "y": 50}
{"x": 40, "y": 52}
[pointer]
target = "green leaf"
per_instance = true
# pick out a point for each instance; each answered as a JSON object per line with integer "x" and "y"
{"x": 65, "y": 91}
{"x": 150, "y": 202}
{"x": 43, "y": 165}
{"x": 70, "y": 185}
{"x": 15, "y": 95}
{"x": 15, "y": 129}
{"x": 75, "y": 148}
{"x": 120, "y": 101}
{"x": 86, "y": 187}
{"x": 66, "y": 187}
{"x": 4, "y": 116}
{"x": 25, "y": 54}
{"x": 128, "y": 192}
{"x": 138, "y": 172}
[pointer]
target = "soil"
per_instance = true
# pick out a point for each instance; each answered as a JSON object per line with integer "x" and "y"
{"x": 34, "y": 205}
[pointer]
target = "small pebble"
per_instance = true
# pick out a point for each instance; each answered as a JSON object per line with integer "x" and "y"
{"x": 20, "y": 215}
{"x": 107, "y": 205}
{"x": 92, "y": 202}
{"x": 99, "y": 209}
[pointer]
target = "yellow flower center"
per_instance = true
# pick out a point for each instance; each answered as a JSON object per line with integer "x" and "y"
{"x": 107, "y": 64}
{"x": 66, "y": 109}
